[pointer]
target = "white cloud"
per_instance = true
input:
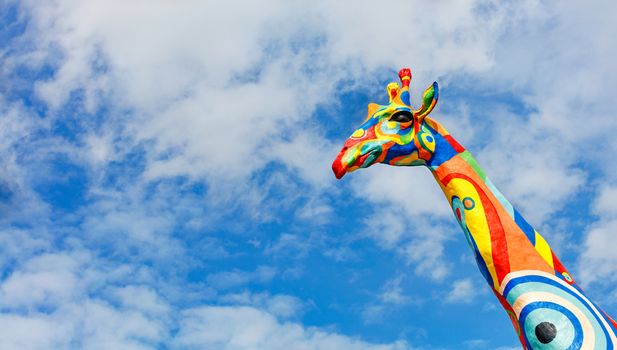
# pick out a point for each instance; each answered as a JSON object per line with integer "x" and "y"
{"x": 290, "y": 244}
{"x": 44, "y": 281}
{"x": 182, "y": 92}
{"x": 604, "y": 204}
{"x": 532, "y": 167}
{"x": 280, "y": 305}
{"x": 224, "y": 106}
{"x": 463, "y": 291}
{"x": 387, "y": 228}
{"x": 315, "y": 210}
{"x": 393, "y": 292}
{"x": 426, "y": 253}
{"x": 216, "y": 94}
{"x": 198, "y": 98}
{"x": 19, "y": 332}
{"x": 140, "y": 298}
{"x": 597, "y": 263}
{"x": 391, "y": 297}
{"x": 120, "y": 218}
{"x": 75, "y": 300}
{"x": 236, "y": 278}
{"x": 419, "y": 238}
{"x": 19, "y": 203}
{"x": 17, "y": 245}
{"x": 236, "y": 328}
{"x": 57, "y": 300}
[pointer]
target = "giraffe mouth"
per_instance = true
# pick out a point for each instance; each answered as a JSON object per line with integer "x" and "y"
{"x": 337, "y": 166}
{"x": 346, "y": 162}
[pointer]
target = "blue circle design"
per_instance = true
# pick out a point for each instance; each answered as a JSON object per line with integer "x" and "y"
{"x": 549, "y": 309}
{"x": 560, "y": 315}
{"x": 535, "y": 278}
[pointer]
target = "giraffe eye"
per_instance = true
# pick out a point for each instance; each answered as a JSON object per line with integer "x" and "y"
{"x": 401, "y": 117}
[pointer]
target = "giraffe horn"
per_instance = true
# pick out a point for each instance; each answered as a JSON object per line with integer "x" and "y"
{"x": 393, "y": 90}
{"x": 429, "y": 100}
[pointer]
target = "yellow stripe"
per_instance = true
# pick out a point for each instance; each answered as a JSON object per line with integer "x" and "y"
{"x": 543, "y": 248}
{"x": 475, "y": 219}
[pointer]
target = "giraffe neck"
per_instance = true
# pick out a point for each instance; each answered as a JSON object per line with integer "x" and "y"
{"x": 499, "y": 236}
{"x": 545, "y": 305}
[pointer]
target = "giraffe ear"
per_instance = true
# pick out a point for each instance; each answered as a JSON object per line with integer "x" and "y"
{"x": 429, "y": 100}
{"x": 372, "y": 108}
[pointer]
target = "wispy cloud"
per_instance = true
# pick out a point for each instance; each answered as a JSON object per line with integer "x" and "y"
{"x": 163, "y": 164}
{"x": 250, "y": 328}
{"x": 462, "y": 291}
{"x": 235, "y": 278}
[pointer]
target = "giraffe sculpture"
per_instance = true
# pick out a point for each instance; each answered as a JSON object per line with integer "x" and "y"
{"x": 547, "y": 308}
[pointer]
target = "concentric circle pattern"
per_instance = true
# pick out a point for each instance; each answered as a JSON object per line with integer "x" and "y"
{"x": 554, "y": 315}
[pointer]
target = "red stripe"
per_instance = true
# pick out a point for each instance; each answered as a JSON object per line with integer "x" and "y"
{"x": 499, "y": 244}
{"x": 457, "y": 146}
{"x": 560, "y": 269}
{"x": 512, "y": 316}
{"x": 611, "y": 320}
{"x": 557, "y": 264}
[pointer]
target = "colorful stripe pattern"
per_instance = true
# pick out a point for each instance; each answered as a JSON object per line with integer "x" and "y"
{"x": 546, "y": 306}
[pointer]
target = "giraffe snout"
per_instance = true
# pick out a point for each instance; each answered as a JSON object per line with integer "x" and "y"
{"x": 338, "y": 167}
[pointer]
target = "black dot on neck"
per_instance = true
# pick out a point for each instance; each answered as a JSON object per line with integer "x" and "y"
{"x": 546, "y": 332}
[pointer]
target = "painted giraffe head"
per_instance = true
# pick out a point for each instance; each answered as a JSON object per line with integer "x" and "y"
{"x": 395, "y": 134}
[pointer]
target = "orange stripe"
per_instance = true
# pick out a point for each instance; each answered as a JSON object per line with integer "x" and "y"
{"x": 499, "y": 246}
{"x": 512, "y": 250}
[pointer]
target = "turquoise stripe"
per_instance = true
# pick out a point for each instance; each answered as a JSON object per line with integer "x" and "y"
{"x": 504, "y": 202}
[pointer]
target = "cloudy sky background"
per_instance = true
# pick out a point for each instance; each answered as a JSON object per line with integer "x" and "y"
{"x": 166, "y": 177}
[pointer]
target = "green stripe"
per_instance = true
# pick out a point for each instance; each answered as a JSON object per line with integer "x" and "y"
{"x": 472, "y": 162}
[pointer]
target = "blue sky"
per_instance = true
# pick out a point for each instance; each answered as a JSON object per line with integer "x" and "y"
{"x": 166, "y": 176}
